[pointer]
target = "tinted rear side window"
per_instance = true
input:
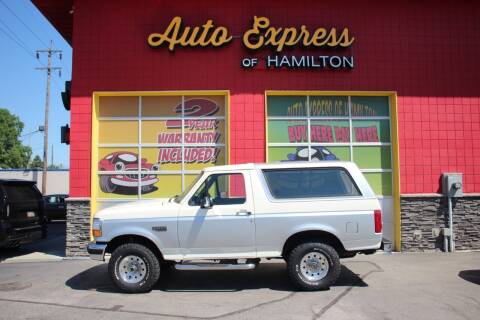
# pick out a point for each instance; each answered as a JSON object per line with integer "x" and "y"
{"x": 20, "y": 193}
{"x": 310, "y": 183}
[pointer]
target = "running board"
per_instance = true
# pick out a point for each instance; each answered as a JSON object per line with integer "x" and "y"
{"x": 214, "y": 266}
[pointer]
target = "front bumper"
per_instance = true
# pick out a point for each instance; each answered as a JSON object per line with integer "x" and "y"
{"x": 143, "y": 183}
{"x": 97, "y": 251}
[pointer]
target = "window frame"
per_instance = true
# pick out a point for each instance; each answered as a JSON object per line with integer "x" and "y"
{"x": 204, "y": 180}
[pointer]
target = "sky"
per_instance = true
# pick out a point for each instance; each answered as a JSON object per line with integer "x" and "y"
{"x": 23, "y": 29}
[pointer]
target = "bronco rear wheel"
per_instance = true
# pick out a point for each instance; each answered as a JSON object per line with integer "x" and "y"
{"x": 313, "y": 266}
{"x": 134, "y": 268}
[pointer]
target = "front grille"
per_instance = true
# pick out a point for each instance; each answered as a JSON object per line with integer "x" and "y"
{"x": 134, "y": 176}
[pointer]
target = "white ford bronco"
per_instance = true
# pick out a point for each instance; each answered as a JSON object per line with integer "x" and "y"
{"x": 309, "y": 214}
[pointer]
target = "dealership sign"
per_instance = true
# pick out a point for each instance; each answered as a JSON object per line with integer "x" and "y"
{"x": 263, "y": 35}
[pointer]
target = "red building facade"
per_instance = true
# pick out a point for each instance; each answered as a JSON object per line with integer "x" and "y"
{"x": 422, "y": 56}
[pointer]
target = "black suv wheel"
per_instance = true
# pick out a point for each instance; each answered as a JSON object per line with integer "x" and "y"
{"x": 313, "y": 266}
{"x": 134, "y": 268}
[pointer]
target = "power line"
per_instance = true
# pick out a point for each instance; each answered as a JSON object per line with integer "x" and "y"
{"x": 14, "y": 35}
{"x": 18, "y": 43}
{"x": 28, "y": 5}
{"x": 29, "y": 29}
{"x": 27, "y": 51}
{"x": 26, "y": 26}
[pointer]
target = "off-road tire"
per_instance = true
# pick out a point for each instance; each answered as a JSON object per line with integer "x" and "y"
{"x": 151, "y": 263}
{"x": 294, "y": 261}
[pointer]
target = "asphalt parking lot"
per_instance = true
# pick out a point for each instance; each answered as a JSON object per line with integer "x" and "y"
{"x": 396, "y": 286}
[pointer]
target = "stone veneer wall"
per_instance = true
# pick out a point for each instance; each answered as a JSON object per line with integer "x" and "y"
{"x": 78, "y": 227}
{"x": 423, "y": 217}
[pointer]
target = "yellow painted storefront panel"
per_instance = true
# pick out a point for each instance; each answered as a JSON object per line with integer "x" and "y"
{"x": 118, "y": 131}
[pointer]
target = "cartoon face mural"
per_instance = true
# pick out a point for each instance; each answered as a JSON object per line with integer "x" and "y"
{"x": 316, "y": 154}
{"x": 161, "y": 151}
{"x": 126, "y": 183}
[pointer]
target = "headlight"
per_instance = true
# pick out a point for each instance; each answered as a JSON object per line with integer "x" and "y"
{"x": 156, "y": 167}
{"x": 97, "y": 228}
{"x": 119, "y": 166}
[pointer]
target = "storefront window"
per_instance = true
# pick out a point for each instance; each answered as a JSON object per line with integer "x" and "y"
{"x": 118, "y": 131}
{"x": 369, "y": 106}
{"x": 371, "y": 130}
{"x": 287, "y": 106}
{"x": 349, "y": 128}
{"x": 328, "y": 106}
{"x": 329, "y": 131}
{"x": 153, "y": 146}
{"x": 296, "y": 133}
{"x": 118, "y": 107}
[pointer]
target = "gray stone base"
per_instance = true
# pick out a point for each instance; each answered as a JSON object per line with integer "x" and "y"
{"x": 423, "y": 217}
{"x": 78, "y": 227}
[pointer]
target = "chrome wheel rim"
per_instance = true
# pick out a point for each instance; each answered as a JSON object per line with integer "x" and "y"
{"x": 314, "y": 266}
{"x": 132, "y": 269}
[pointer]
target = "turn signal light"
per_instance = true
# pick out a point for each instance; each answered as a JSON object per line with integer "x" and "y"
{"x": 377, "y": 216}
{"x": 96, "y": 228}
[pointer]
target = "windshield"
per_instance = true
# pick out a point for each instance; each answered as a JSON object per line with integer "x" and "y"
{"x": 179, "y": 198}
{"x": 127, "y": 157}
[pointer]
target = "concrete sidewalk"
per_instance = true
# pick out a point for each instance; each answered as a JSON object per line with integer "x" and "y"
{"x": 398, "y": 286}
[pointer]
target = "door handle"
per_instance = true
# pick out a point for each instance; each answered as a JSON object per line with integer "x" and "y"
{"x": 243, "y": 212}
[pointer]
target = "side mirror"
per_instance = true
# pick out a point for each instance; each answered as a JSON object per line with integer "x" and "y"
{"x": 206, "y": 202}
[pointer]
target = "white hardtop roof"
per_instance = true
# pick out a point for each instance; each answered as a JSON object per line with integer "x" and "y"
{"x": 281, "y": 165}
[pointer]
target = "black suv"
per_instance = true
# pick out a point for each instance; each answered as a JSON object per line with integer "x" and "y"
{"x": 22, "y": 217}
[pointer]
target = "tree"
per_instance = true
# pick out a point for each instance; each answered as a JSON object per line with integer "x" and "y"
{"x": 13, "y": 154}
{"x": 36, "y": 163}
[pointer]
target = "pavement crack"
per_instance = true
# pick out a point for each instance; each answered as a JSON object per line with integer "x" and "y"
{"x": 290, "y": 295}
{"x": 118, "y": 308}
{"x": 471, "y": 299}
{"x": 318, "y": 315}
{"x": 456, "y": 311}
{"x": 112, "y": 309}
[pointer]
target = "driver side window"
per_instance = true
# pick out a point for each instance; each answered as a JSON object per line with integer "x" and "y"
{"x": 223, "y": 189}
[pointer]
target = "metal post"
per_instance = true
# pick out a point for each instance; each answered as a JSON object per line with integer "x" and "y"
{"x": 450, "y": 224}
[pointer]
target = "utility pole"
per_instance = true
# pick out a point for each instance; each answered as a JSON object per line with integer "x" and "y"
{"x": 50, "y": 52}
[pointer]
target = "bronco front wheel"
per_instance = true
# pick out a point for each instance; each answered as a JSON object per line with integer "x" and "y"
{"x": 134, "y": 268}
